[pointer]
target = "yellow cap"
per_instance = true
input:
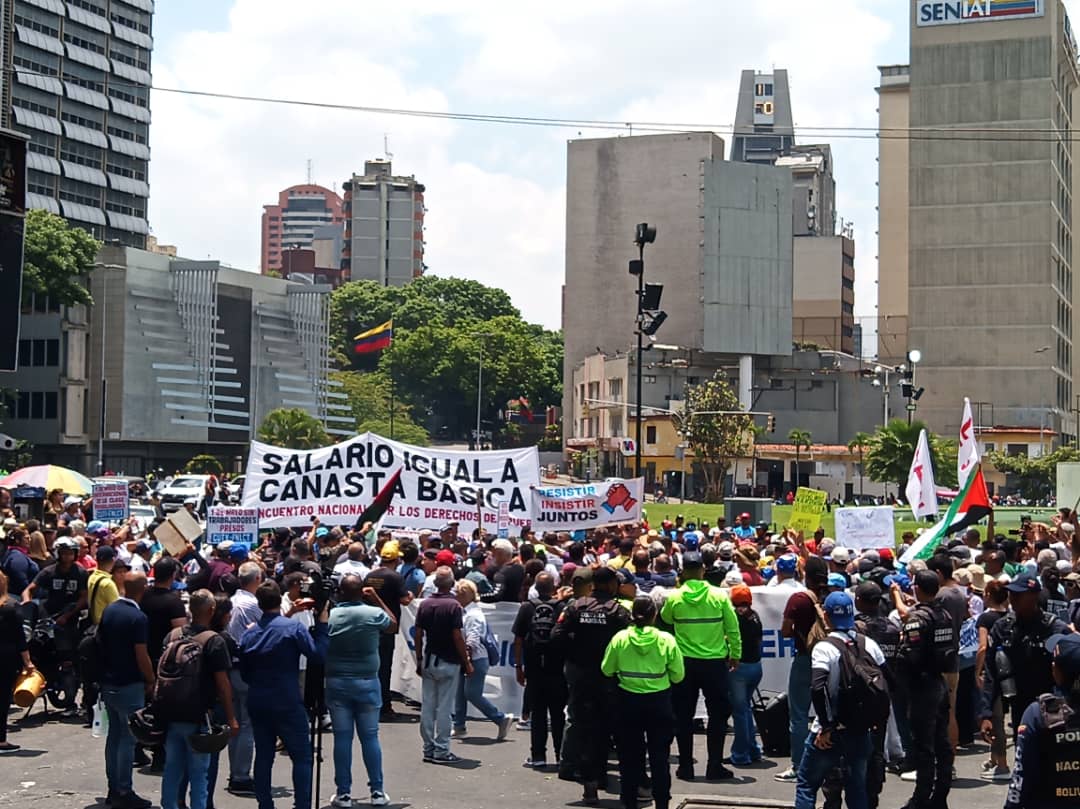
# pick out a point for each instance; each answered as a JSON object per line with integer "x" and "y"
{"x": 390, "y": 549}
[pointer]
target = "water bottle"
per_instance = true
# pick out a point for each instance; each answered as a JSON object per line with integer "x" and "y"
{"x": 100, "y": 725}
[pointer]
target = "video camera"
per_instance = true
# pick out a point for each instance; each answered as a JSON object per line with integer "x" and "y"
{"x": 318, "y": 589}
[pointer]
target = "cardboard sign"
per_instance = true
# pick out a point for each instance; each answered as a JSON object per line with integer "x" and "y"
{"x": 573, "y": 508}
{"x": 239, "y": 526}
{"x": 178, "y": 529}
{"x": 866, "y": 527}
{"x": 806, "y": 510}
{"x": 111, "y": 501}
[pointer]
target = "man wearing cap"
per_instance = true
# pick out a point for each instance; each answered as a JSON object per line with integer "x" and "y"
{"x": 838, "y": 562}
{"x": 390, "y": 587}
{"x": 744, "y": 530}
{"x": 71, "y": 511}
{"x": 830, "y": 743}
{"x": 140, "y": 556}
{"x": 1047, "y": 772}
{"x": 787, "y": 567}
{"x": 1017, "y": 663}
{"x": 101, "y": 592}
{"x": 928, "y": 650}
{"x": 706, "y": 628}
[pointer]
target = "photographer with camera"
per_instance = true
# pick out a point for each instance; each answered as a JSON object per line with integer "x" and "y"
{"x": 270, "y": 654}
{"x": 295, "y": 606}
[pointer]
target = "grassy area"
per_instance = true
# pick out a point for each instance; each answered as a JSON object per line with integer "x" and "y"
{"x": 1004, "y": 518}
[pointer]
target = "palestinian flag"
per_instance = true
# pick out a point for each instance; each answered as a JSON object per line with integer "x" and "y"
{"x": 374, "y": 340}
{"x": 970, "y": 505}
{"x": 380, "y": 504}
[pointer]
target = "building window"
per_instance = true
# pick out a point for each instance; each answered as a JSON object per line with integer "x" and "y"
{"x": 650, "y": 434}
{"x": 36, "y": 405}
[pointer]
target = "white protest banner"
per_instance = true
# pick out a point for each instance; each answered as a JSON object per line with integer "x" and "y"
{"x": 865, "y": 527}
{"x": 111, "y": 501}
{"x": 436, "y": 486}
{"x": 230, "y": 524}
{"x": 575, "y": 508}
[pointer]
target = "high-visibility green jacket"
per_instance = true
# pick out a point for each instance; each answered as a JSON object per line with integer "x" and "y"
{"x": 644, "y": 659}
{"x": 705, "y": 623}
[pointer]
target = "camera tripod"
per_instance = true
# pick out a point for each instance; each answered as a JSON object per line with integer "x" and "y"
{"x": 315, "y": 701}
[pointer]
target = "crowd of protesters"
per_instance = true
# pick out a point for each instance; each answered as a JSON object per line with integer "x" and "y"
{"x": 898, "y": 665}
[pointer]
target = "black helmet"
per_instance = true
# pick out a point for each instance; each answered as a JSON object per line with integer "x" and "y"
{"x": 145, "y": 727}
{"x": 209, "y": 741}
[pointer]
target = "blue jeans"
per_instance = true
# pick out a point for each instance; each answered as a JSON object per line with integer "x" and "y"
{"x": 471, "y": 688}
{"x": 121, "y": 701}
{"x": 270, "y": 719}
{"x": 439, "y": 683}
{"x": 853, "y": 749}
{"x": 741, "y": 685}
{"x": 242, "y": 746}
{"x": 355, "y": 702}
{"x": 798, "y": 691}
{"x": 183, "y": 764}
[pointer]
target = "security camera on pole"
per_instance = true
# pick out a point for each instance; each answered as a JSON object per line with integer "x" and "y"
{"x": 649, "y": 318}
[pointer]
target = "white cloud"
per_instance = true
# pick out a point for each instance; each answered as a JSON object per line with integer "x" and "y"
{"x": 495, "y": 193}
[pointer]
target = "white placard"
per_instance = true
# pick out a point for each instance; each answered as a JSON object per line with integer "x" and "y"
{"x": 236, "y": 525}
{"x": 111, "y": 501}
{"x": 575, "y": 508}
{"x": 865, "y": 527}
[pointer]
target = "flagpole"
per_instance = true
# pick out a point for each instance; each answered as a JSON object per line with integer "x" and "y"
{"x": 392, "y": 391}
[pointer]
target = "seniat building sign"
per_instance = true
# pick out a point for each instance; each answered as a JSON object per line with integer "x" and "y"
{"x": 949, "y": 12}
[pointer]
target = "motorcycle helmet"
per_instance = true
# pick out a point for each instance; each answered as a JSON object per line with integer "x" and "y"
{"x": 145, "y": 728}
{"x": 65, "y": 544}
{"x": 209, "y": 741}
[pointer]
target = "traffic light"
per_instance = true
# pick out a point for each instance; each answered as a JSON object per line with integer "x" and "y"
{"x": 770, "y": 423}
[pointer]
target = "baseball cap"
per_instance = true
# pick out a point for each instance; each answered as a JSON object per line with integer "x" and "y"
{"x": 745, "y": 515}
{"x": 106, "y": 553}
{"x": 732, "y": 578}
{"x": 868, "y": 591}
{"x": 1025, "y": 582}
{"x": 238, "y": 552}
{"x": 390, "y": 549}
{"x": 97, "y": 527}
{"x": 740, "y": 595}
{"x": 841, "y": 610}
{"x": 787, "y": 563}
{"x": 691, "y": 559}
{"x": 836, "y": 580}
{"x": 841, "y": 555}
{"x": 1065, "y": 650}
{"x": 583, "y": 573}
{"x": 72, "y": 500}
{"x": 885, "y": 554}
{"x": 444, "y": 557}
{"x": 144, "y": 545}
{"x": 321, "y": 531}
{"x": 223, "y": 547}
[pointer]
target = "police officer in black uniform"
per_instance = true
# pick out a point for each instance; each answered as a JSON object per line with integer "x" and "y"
{"x": 583, "y": 631}
{"x": 928, "y": 647}
{"x": 1047, "y": 772}
{"x": 1017, "y": 663}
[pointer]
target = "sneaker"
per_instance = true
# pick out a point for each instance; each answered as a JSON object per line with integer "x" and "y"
{"x": 987, "y": 766}
{"x": 910, "y": 776}
{"x": 524, "y": 724}
{"x": 536, "y": 763}
{"x": 590, "y": 795}
{"x": 241, "y": 786}
{"x": 788, "y": 776}
{"x": 342, "y": 801}
{"x": 428, "y": 758}
{"x": 449, "y": 758}
{"x": 996, "y": 774}
{"x": 504, "y": 726}
{"x": 129, "y": 800}
{"x": 684, "y": 773}
{"x": 720, "y": 773}
{"x": 379, "y": 798}
{"x": 8, "y": 747}
{"x": 457, "y": 733}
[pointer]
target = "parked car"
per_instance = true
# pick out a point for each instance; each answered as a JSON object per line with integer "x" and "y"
{"x": 180, "y": 489}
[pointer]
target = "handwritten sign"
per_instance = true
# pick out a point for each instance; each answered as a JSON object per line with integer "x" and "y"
{"x": 111, "y": 501}
{"x": 229, "y": 524}
{"x": 806, "y": 510}
{"x": 865, "y": 527}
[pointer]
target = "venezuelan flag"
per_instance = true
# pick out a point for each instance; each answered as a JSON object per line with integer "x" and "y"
{"x": 374, "y": 340}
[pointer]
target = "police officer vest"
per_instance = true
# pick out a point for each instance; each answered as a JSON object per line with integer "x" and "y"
{"x": 1059, "y": 748}
{"x": 936, "y": 638}
{"x": 597, "y": 623}
{"x": 882, "y": 631}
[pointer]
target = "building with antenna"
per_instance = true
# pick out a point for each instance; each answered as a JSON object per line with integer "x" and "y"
{"x": 291, "y": 224}
{"x": 384, "y": 226}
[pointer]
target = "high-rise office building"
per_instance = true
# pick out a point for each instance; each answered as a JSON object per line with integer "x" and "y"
{"x": 300, "y": 211}
{"x": 990, "y": 163}
{"x": 763, "y": 125}
{"x": 80, "y": 89}
{"x": 384, "y": 226}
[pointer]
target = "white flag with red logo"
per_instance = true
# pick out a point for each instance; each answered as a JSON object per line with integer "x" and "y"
{"x": 968, "y": 457}
{"x": 920, "y": 491}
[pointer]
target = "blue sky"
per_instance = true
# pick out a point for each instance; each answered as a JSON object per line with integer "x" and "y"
{"x": 495, "y": 193}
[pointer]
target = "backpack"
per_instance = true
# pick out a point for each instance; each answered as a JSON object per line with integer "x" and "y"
{"x": 820, "y": 630}
{"x": 178, "y": 691}
{"x": 91, "y": 657}
{"x": 544, "y": 618}
{"x": 863, "y": 700}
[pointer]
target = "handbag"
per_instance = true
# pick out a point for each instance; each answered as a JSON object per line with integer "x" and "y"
{"x": 491, "y": 643}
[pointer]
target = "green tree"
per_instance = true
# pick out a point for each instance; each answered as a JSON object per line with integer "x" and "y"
{"x": 800, "y": 439}
{"x": 57, "y": 259}
{"x": 1033, "y": 477}
{"x": 405, "y": 430}
{"x": 204, "y": 465}
{"x": 716, "y": 433}
{"x": 857, "y": 446}
{"x": 890, "y": 450}
{"x": 369, "y": 397}
{"x": 293, "y": 428}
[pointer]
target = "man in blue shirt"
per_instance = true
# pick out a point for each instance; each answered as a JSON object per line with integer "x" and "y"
{"x": 270, "y": 665}
{"x": 353, "y": 691}
{"x": 744, "y": 530}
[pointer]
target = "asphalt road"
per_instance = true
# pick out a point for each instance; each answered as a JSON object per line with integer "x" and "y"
{"x": 61, "y": 766}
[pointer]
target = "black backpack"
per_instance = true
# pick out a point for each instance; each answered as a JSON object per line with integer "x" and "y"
{"x": 863, "y": 702}
{"x": 178, "y": 691}
{"x": 91, "y": 657}
{"x": 544, "y": 617}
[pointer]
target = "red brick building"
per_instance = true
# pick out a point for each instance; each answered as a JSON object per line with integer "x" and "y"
{"x": 292, "y": 222}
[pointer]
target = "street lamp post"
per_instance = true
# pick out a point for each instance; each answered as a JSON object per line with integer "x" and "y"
{"x": 643, "y": 234}
{"x": 910, "y": 392}
{"x": 480, "y": 384}
{"x": 1042, "y": 410}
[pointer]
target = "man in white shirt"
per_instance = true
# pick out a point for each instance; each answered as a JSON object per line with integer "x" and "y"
{"x": 830, "y": 742}
{"x": 353, "y": 565}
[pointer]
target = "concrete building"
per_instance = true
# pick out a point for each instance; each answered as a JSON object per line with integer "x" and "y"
{"x": 763, "y": 128}
{"x": 813, "y": 195}
{"x": 894, "y": 91}
{"x": 384, "y": 226}
{"x": 195, "y": 355}
{"x": 300, "y": 211}
{"x": 990, "y": 296}
{"x": 723, "y": 250}
{"x": 154, "y": 246}
{"x": 80, "y": 88}
{"x": 823, "y": 295}
{"x": 7, "y": 36}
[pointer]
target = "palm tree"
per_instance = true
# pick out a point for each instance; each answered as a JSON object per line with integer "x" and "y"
{"x": 799, "y": 438}
{"x": 890, "y": 449}
{"x": 293, "y": 428}
{"x": 859, "y": 444}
